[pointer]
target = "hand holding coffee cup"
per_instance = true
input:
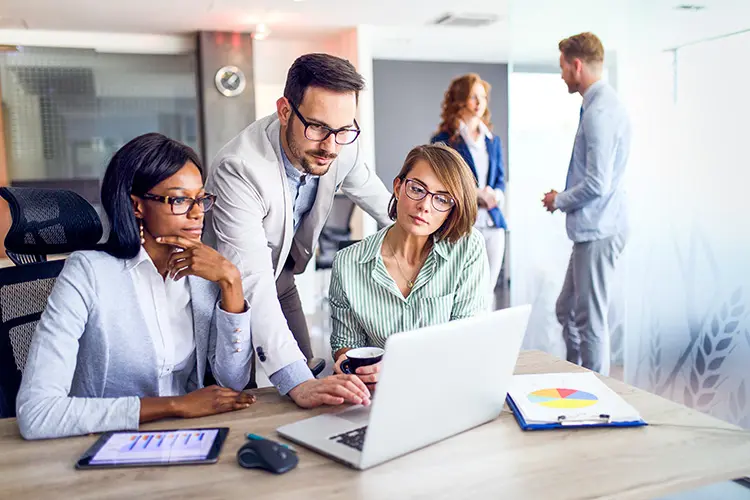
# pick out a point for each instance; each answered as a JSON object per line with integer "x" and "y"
{"x": 363, "y": 362}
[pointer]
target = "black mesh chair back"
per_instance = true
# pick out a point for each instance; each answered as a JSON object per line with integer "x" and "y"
{"x": 47, "y": 222}
{"x": 23, "y": 296}
{"x": 336, "y": 231}
{"x": 347, "y": 243}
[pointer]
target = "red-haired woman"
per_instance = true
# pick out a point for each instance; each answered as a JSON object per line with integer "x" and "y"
{"x": 467, "y": 128}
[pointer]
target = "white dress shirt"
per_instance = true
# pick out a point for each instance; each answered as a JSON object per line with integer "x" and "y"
{"x": 168, "y": 312}
{"x": 481, "y": 157}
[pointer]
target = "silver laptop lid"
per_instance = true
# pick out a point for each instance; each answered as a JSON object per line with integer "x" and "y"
{"x": 441, "y": 380}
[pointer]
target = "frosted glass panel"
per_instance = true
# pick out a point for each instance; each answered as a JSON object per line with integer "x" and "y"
{"x": 688, "y": 266}
{"x": 66, "y": 111}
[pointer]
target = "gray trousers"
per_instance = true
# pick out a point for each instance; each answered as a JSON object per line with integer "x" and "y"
{"x": 291, "y": 306}
{"x": 583, "y": 304}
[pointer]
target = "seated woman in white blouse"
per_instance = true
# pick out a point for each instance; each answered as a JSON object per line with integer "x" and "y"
{"x": 428, "y": 268}
{"x": 128, "y": 332}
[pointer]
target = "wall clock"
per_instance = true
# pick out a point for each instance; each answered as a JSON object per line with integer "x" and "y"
{"x": 230, "y": 81}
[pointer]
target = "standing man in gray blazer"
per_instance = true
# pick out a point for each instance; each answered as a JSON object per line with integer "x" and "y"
{"x": 275, "y": 184}
{"x": 594, "y": 202}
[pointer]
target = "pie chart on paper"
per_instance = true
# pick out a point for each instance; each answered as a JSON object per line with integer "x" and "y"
{"x": 562, "y": 398}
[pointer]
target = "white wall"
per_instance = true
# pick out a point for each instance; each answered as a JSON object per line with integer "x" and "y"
{"x": 271, "y": 61}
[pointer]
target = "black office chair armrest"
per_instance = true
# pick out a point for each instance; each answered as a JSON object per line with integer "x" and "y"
{"x": 316, "y": 365}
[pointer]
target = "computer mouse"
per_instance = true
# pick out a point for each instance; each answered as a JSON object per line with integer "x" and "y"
{"x": 269, "y": 455}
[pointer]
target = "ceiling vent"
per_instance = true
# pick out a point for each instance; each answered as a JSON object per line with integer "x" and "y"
{"x": 466, "y": 20}
{"x": 689, "y": 7}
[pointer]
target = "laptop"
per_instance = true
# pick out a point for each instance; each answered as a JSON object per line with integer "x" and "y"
{"x": 426, "y": 374}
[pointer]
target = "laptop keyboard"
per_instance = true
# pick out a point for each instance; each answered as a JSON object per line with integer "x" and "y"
{"x": 353, "y": 439}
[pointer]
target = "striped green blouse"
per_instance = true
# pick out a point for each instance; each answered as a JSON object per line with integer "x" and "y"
{"x": 367, "y": 306}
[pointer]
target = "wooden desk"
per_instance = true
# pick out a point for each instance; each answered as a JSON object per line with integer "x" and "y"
{"x": 683, "y": 449}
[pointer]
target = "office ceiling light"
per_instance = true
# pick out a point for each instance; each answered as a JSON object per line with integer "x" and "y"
{"x": 261, "y": 32}
{"x": 466, "y": 20}
{"x": 689, "y": 7}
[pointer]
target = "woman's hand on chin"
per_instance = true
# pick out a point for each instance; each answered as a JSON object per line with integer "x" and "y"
{"x": 201, "y": 260}
{"x": 198, "y": 259}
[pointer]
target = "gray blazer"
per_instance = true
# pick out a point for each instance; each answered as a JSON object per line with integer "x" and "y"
{"x": 252, "y": 224}
{"x": 92, "y": 358}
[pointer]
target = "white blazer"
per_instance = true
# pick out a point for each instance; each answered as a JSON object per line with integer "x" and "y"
{"x": 252, "y": 223}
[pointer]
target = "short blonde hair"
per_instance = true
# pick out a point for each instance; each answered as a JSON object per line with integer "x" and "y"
{"x": 456, "y": 175}
{"x": 585, "y": 46}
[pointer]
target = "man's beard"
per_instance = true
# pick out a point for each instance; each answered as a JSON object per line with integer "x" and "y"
{"x": 307, "y": 166}
{"x": 573, "y": 87}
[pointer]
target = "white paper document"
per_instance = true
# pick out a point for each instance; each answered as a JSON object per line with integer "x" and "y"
{"x": 568, "y": 399}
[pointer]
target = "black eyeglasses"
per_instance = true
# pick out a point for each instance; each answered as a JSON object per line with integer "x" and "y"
{"x": 319, "y": 133}
{"x": 440, "y": 202}
{"x": 183, "y": 204}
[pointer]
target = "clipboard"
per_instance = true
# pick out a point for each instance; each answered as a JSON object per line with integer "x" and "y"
{"x": 563, "y": 423}
{"x": 568, "y": 400}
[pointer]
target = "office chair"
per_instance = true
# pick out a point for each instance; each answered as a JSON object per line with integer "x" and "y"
{"x": 4, "y": 411}
{"x": 335, "y": 235}
{"x": 44, "y": 222}
{"x": 47, "y": 222}
{"x": 23, "y": 297}
{"x": 337, "y": 230}
{"x": 346, "y": 243}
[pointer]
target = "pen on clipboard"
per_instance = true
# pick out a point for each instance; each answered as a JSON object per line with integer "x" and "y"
{"x": 602, "y": 418}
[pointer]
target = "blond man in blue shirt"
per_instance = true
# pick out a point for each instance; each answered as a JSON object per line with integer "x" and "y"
{"x": 594, "y": 201}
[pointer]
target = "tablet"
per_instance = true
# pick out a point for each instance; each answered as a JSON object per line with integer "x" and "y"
{"x": 164, "y": 447}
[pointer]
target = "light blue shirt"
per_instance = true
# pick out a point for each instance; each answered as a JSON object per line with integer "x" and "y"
{"x": 303, "y": 189}
{"x": 291, "y": 376}
{"x": 594, "y": 198}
